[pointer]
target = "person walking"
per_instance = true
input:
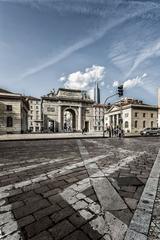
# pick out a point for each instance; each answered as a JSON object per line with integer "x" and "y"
{"x": 119, "y": 132}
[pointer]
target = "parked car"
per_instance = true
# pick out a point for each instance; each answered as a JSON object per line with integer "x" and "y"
{"x": 150, "y": 131}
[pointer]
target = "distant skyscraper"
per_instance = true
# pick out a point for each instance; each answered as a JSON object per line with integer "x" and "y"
{"x": 97, "y": 93}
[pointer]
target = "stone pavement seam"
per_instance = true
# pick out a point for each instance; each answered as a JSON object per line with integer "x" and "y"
{"x": 140, "y": 223}
{"x": 107, "y": 195}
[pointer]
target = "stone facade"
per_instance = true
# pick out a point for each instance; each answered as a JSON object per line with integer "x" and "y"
{"x": 34, "y": 114}
{"x": 134, "y": 114}
{"x": 13, "y": 113}
{"x": 57, "y": 107}
{"x": 99, "y": 110}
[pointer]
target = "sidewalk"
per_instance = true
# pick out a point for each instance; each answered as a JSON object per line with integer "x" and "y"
{"x": 47, "y": 136}
{"x": 154, "y": 232}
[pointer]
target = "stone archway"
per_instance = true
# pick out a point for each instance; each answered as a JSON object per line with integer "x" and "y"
{"x": 69, "y": 120}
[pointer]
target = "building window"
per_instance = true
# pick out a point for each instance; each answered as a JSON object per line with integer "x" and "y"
{"x": 152, "y": 124}
{"x": 151, "y": 115}
{"x": 37, "y": 112}
{"x": 9, "y": 108}
{"x": 144, "y": 124}
{"x": 37, "y": 107}
{"x": 31, "y": 117}
{"x": 135, "y": 124}
{"x": 136, "y": 114}
{"x": 126, "y": 124}
{"x": 31, "y": 107}
{"x": 126, "y": 115}
{"x": 9, "y": 122}
{"x": 144, "y": 114}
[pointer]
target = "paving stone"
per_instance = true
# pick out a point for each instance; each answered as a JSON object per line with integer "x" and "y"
{"x": 108, "y": 196}
{"x": 77, "y": 235}
{"x": 57, "y": 232}
{"x": 52, "y": 192}
{"x": 5, "y": 217}
{"x": 80, "y": 205}
{"x": 132, "y": 203}
{"x": 93, "y": 234}
{"x": 133, "y": 235}
{"x": 138, "y": 192}
{"x": 38, "y": 226}
{"x": 77, "y": 220}
{"x": 86, "y": 214}
{"x": 129, "y": 181}
{"x": 60, "y": 215}
{"x": 9, "y": 228}
{"x": 42, "y": 189}
{"x": 30, "y": 208}
{"x": 124, "y": 215}
{"x": 140, "y": 221}
{"x": 25, "y": 221}
{"x": 42, "y": 236}
{"x": 14, "y": 236}
{"x": 46, "y": 211}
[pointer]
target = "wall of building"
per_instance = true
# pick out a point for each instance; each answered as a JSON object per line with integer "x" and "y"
{"x": 144, "y": 119}
{"x": 15, "y": 114}
{"x": 34, "y": 115}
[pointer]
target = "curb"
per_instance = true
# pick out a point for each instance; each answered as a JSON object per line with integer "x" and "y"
{"x": 140, "y": 223}
{"x": 63, "y": 138}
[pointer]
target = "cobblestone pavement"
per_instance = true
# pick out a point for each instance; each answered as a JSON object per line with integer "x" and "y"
{"x": 72, "y": 189}
{"x": 154, "y": 233}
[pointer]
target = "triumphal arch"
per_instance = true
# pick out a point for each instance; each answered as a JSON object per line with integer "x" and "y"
{"x": 67, "y": 110}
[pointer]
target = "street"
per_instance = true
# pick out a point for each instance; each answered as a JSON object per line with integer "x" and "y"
{"x": 78, "y": 189}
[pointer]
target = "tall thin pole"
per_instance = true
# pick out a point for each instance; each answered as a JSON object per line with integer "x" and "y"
{"x": 104, "y": 111}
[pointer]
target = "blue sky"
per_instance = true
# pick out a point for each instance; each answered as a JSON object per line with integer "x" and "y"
{"x": 47, "y": 44}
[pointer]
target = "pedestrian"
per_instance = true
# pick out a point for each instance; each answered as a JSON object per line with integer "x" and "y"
{"x": 119, "y": 132}
{"x": 109, "y": 131}
{"x": 112, "y": 131}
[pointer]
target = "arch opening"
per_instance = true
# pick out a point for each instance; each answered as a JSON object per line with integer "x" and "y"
{"x": 69, "y": 120}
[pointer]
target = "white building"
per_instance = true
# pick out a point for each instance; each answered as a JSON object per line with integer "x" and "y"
{"x": 13, "y": 112}
{"x": 134, "y": 114}
{"x": 34, "y": 114}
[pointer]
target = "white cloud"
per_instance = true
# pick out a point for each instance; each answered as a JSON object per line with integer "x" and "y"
{"x": 115, "y": 84}
{"x": 85, "y": 80}
{"x": 153, "y": 49}
{"x": 62, "y": 79}
{"x": 130, "y": 83}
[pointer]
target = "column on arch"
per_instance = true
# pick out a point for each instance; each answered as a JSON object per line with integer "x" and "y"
{"x": 80, "y": 118}
{"x": 59, "y": 118}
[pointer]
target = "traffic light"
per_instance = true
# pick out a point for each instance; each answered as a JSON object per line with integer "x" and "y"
{"x": 120, "y": 90}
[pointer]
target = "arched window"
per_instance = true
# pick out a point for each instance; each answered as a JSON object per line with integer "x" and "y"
{"x": 9, "y": 122}
{"x": 135, "y": 124}
{"x": 126, "y": 124}
{"x": 144, "y": 124}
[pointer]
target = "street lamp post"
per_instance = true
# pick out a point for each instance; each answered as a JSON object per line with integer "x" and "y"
{"x": 104, "y": 110}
